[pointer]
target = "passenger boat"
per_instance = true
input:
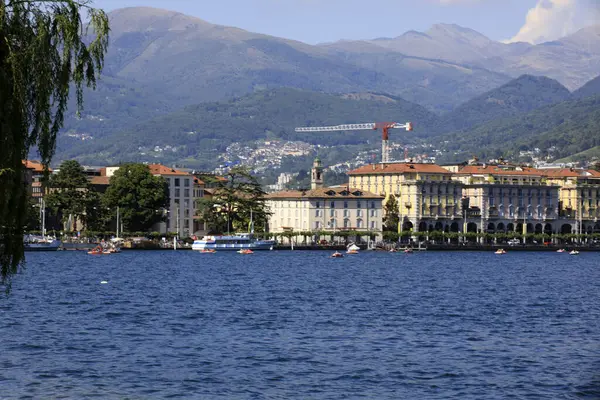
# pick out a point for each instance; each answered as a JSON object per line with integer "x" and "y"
{"x": 337, "y": 254}
{"x": 232, "y": 242}
{"x": 574, "y": 252}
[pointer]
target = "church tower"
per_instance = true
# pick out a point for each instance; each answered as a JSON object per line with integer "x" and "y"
{"x": 316, "y": 178}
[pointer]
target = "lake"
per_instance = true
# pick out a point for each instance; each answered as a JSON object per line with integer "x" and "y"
{"x": 295, "y": 324}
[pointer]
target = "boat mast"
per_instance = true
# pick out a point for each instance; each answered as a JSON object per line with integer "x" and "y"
{"x": 117, "y": 221}
{"x": 43, "y": 217}
{"x": 251, "y": 222}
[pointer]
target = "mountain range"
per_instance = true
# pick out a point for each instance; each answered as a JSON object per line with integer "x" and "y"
{"x": 166, "y": 73}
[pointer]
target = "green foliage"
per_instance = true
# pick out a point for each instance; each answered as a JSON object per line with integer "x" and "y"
{"x": 234, "y": 203}
{"x": 44, "y": 48}
{"x": 391, "y": 214}
{"x": 140, "y": 196}
{"x": 70, "y": 194}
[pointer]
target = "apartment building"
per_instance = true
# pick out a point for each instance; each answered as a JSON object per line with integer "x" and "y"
{"x": 427, "y": 196}
{"x": 507, "y": 198}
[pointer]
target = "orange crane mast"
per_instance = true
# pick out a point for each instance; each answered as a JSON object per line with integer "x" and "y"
{"x": 384, "y": 126}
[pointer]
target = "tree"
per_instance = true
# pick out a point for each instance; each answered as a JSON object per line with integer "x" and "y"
{"x": 44, "y": 48}
{"x": 234, "y": 201}
{"x": 70, "y": 195}
{"x": 392, "y": 218}
{"x": 140, "y": 196}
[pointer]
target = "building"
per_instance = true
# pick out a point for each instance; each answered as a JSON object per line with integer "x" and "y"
{"x": 507, "y": 198}
{"x": 35, "y": 176}
{"x": 325, "y": 209}
{"x": 428, "y": 198}
{"x": 579, "y": 198}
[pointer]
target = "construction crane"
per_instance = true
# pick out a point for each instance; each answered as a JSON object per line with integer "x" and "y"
{"x": 384, "y": 126}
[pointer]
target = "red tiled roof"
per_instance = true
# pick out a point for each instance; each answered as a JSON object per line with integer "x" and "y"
{"x": 496, "y": 170}
{"x": 399, "y": 168}
{"x": 328, "y": 193}
{"x": 571, "y": 173}
{"x": 198, "y": 181}
{"x": 36, "y": 166}
{"x": 159, "y": 169}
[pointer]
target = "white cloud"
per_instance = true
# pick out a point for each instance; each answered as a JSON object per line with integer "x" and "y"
{"x": 553, "y": 19}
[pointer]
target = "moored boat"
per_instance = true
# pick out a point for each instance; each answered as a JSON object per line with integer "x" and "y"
{"x": 500, "y": 251}
{"x": 37, "y": 243}
{"x": 232, "y": 242}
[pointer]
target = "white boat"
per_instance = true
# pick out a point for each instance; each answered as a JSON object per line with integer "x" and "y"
{"x": 233, "y": 242}
{"x": 353, "y": 247}
{"x": 574, "y": 252}
{"x": 500, "y": 251}
{"x": 41, "y": 243}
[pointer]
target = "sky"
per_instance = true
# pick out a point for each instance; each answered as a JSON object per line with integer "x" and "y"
{"x": 319, "y": 21}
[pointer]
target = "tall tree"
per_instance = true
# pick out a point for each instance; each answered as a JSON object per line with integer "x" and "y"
{"x": 44, "y": 48}
{"x": 140, "y": 196}
{"x": 70, "y": 194}
{"x": 392, "y": 217}
{"x": 233, "y": 203}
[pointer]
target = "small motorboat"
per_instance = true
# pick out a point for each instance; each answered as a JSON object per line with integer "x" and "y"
{"x": 97, "y": 251}
{"x": 352, "y": 252}
{"x": 408, "y": 251}
{"x": 208, "y": 251}
{"x": 393, "y": 251}
{"x": 574, "y": 252}
{"x": 500, "y": 251}
{"x": 245, "y": 251}
{"x": 561, "y": 251}
{"x": 337, "y": 254}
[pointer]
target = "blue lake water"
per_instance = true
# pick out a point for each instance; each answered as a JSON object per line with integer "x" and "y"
{"x": 280, "y": 325}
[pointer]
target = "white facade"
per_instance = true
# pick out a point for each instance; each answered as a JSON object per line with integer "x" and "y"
{"x": 316, "y": 210}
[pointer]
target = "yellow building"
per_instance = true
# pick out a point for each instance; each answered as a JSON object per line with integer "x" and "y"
{"x": 428, "y": 198}
{"x": 508, "y": 198}
{"x": 579, "y": 198}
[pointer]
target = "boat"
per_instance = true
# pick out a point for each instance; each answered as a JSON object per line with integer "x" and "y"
{"x": 352, "y": 249}
{"x": 208, "y": 251}
{"x": 41, "y": 243}
{"x": 232, "y": 242}
{"x": 500, "y": 251}
{"x": 245, "y": 251}
{"x": 574, "y": 252}
{"x": 408, "y": 251}
{"x": 98, "y": 250}
{"x": 561, "y": 251}
{"x": 337, "y": 254}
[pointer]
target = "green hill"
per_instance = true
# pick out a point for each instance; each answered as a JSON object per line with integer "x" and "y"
{"x": 202, "y": 132}
{"x": 561, "y": 130}
{"x": 519, "y": 96}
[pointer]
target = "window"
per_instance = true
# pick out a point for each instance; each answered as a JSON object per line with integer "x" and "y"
{"x": 318, "y": 213}
{"x": 359, "y": 213}
{"x": 332, "y": 204}
{"x": 372, "y": 204}
{"x": 346, "y": 223}
{"x": 186, "y": 224}
{"x": 359, "y": 223}
{"x": 345, "y": 204}
{"x": 186, "y": 182}
{"x": 186, "y": 192}
{"x": 318, "y": 204}
{"x": 186, "y": 212}
{"x": 373, "y": 213}
{"x": 317, "y": 225}
{"x": 176, "y": 182}
{"x": 373, "y": 225}
{"x": 177, "y": 192}
{"x": 358, "y": 205}
{"x": 346, "y": 213}
{"x": 332, "y": 212}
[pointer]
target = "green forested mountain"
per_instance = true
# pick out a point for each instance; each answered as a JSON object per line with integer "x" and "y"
{"x": 566, "y": 128}
{"x": 519, "y": 96}
{"x": 591, "y": 88}
{"x": 204, "y": 131}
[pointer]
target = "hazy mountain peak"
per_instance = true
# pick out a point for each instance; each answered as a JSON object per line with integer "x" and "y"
{"x": 148, "y": 18}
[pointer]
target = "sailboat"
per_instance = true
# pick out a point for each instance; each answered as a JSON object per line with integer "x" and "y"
{"x": 43, "y": 242}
